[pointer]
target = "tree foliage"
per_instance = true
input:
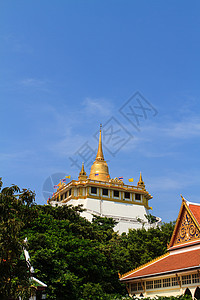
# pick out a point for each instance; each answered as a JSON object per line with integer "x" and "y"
{"x": 15, "y": 205}
{"x": 75, "y": 258}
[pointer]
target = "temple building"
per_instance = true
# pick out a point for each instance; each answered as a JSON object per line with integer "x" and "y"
{"x": 178, "y": 271}
{"x": 102, "y": 196}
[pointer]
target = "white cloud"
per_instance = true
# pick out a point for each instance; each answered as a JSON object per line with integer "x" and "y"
{"x": 98, "y": 106}
{"x": 34, "y": 83}
{"x": 184, "y": 129}
{"x": 175, "y": 181}
{"x": 160, "y": 139}
{"x": 21, "y": 155}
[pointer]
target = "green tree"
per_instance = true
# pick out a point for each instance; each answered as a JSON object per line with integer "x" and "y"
{"x": 14, "y": 272}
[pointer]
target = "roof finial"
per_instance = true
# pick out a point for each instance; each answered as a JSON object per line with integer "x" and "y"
{"x": 82, "y": 170}
{"x": 82, "y": 174}
{"x": 183, "y": 199}
{"x": 141, "y": 178}
{"x": 100, "y": 151}
{"x": 141, "y": 182}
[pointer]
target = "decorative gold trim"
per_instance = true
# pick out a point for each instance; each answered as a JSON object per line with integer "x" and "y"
{"x": 144, "y": 201}
{"x": 108, "y": 185}
{"x": 177, "y": 225}
{"x": 143, "y": 266}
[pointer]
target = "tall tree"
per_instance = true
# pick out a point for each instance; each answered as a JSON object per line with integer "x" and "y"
{"x": 14, "y": 272}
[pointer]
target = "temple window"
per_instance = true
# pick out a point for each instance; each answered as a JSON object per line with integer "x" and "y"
{"x": 93, "y": 190}
{"x": 66, "y": 195}
{"x": 186, "y": 279}
{"x": 166, "y": 282}
{"x": 133, "y": 287}
{"x": 137, "y": 197}
{"x": 70, "y": 192}
{"x": 116, "y": 194}
{"x": 157, "y": 284}
{"x": 127, "y": 195}
{"x": 149, "y": 285}
{"x": 140, "y": 288}
{"x": 195, "y": 278}
{"x": 175, "y": 281}
{"x": 75, "y": 192}
{"x": 105, "y": 192}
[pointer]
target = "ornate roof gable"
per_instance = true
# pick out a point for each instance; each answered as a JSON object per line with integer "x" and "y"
{"x": 187, "y": 228}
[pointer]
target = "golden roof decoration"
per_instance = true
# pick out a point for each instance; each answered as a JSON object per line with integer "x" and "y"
{"x": 82, "y": 174}
{"x": 116, "y": 180}
{"x": 60, "y": 186}
{"x": 186, "y": 229}
{"x": 100, "y": 150}
{"x": 99, "y": 169}
{"x": 141, "y": 182}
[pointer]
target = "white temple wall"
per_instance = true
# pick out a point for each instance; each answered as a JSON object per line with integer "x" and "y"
{"x": 125, "y": 214}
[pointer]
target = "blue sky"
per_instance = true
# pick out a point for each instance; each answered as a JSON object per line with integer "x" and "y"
{"x": 67, "y": 66}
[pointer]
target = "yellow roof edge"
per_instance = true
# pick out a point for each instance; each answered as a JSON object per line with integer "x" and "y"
{"x": 177, "y": 223}
{"x": 184, "y": 204}
{"x": 143, "y": 266}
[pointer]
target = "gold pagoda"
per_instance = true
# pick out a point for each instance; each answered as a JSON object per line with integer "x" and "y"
{"x": 103, "y": 196}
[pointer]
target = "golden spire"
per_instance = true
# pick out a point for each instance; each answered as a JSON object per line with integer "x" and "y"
{"x": 82, "y": 174}
{"x": 141, "y": 182}
{"x": 100, "y": 151}
{"x": 99, "y": 169}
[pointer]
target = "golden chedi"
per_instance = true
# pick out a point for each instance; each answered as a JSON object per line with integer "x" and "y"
{"x": 99, "y": 169}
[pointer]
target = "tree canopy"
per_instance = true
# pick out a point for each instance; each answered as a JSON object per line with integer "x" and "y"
{"x": 77, "y": 259}
{"x": 15, "y": 205}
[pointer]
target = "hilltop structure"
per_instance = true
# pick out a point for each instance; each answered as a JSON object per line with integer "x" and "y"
{"x": 178, "y": 271}
{"x": 102, "y": 196}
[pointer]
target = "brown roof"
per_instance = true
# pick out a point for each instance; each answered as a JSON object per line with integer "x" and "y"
{"x": 167, "y": 263}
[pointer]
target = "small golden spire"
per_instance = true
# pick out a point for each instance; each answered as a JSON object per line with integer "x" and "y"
{"x": 100, "y": 151}
{"x": 99, "y": 169}
{"x": 82, "y": 174}
{"x": 141, "y": 182}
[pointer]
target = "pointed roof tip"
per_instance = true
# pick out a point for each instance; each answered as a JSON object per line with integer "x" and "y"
{"x": 82, "y": 169}
{"x": 141, "y": 176}
{"x": 183, "y": 199}
{"x": 82, "y": 172}
{"x": 100, "y": 150}
{"x": 141, "y": 180}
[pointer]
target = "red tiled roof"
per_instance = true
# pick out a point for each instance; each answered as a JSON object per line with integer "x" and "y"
{"x": 195, "y": 209}
{"x": 171, "y": 262}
